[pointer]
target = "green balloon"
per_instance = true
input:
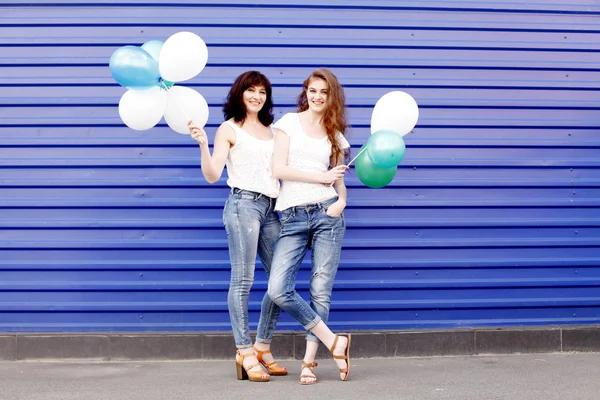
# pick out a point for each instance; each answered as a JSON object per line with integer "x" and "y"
{"x": 370, "y": 174}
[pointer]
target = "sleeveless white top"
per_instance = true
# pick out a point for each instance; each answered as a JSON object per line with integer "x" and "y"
{"x": 308, "y": 154}
{"x": 249, "y": 163}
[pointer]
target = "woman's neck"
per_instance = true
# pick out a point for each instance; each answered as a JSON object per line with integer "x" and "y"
{"x": 252, "y": 119}
{"x": 314, "y": 118}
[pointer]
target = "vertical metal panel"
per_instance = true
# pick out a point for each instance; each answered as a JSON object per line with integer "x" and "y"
{"x": 493, "y": 218}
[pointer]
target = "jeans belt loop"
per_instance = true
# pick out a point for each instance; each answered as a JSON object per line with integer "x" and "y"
{"x": 321, "y": 205}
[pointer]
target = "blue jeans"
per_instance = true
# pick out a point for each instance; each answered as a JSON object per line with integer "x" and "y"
{"x": 305, "y": 227}
{"x": 252, "y": 227}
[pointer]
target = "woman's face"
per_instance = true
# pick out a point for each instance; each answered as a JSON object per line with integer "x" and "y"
{"x": 316, "y": 95}
{"x": 254, "y": 98}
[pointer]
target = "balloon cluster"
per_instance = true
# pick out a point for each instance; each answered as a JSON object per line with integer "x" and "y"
{"x": 395, "y": 114}
{"x": 150, "y": 73}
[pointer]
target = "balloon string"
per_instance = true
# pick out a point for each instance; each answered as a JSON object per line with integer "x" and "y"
{"x": 359, "y": 153}
{"x": 175, "y": 100}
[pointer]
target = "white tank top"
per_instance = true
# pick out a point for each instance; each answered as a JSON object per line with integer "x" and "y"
{"x": 249, "y": 163}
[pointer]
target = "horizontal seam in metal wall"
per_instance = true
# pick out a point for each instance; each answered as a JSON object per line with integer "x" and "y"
{"x": 553, "y": 127}
{"x": 305, "y": 6}
{"x": 332, "y": 66}
{"x": 422, "y": 106}
{"x": 430, "y": 106}
{"x": 556, "y": 144}
{"x": 326, "y": 46}
{"x": 355, "y": 86}
{"x": 355, "y": 27}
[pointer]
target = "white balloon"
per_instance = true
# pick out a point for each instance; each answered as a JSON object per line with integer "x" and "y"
{"x": 184, "y": 104}
{"x": 396, "y": 111}
{"x": 183, "y": 56}
{"x": 142, "y": 109}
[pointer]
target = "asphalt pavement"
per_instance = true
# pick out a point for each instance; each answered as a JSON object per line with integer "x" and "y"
{"x": 568, "y": 376}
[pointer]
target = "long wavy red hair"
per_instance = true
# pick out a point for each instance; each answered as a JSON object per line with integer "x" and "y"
{"x": 334, "y": 119}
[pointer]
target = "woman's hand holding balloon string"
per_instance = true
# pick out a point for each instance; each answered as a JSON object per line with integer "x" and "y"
{"x": 198, "y": 134}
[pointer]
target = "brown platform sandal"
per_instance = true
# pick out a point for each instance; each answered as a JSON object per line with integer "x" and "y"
{"x": 273, "y": 368}
{"x": 346, "y": 356}
{"x": 309, "y": 366}
{"x": 245, "y": 373}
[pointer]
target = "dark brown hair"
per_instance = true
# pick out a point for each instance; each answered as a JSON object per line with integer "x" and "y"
{"x": 334, "y": 119}
{"x": 234, "y": 106}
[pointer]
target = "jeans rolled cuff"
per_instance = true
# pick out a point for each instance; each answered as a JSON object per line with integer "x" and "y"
{"x": 312, "y": 323}
{"x": 243, "y": 346}
{"x": 312, "y": 338}
{"x": 265, "y": 341}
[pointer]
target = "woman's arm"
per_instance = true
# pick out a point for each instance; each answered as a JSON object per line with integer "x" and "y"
{"x": 338, "y": 207}
{"x": 212, "y": 166}
{"x": 281, "y": 170}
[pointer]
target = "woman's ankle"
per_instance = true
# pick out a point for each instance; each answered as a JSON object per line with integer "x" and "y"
{"x": 339, "y": 345}
{"x": 246, "y": 351}
{"x": 308, "y": 359}
{"x": 262, "y": 346}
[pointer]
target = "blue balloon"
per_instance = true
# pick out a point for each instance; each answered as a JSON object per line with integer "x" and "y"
{"x": 153, "y": 48}
{"x": 134, "y": 68}
{"x": 386, "y": 148}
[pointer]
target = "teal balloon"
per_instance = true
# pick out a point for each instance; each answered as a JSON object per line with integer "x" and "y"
{"x": 153, "y": 48}
{"x": 370, "y": 174}
{"x": 386, "y": 148}
{"x": 134, "y": 68}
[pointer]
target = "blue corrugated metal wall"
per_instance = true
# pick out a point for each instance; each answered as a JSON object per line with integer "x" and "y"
{"x": 493, "y": 218}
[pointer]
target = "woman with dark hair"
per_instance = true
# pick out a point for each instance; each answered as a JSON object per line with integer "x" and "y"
{"x": 309, "y": 157}
{"x": 244, "y": 143}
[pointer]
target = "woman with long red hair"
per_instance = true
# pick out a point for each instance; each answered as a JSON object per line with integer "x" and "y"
{"x": 310, "y": 149}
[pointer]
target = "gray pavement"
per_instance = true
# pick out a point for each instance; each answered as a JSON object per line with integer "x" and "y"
{"x": 521, "y": 377}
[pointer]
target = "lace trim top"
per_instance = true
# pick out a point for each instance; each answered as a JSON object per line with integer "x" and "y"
{"x": 249, "y": 163}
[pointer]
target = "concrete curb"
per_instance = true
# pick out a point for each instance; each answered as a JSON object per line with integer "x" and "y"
{"x": 220, "y": 346}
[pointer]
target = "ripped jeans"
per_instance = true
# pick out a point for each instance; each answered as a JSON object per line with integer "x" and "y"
{"x": 252, "y": 227}
{"x": 305, "y": 227}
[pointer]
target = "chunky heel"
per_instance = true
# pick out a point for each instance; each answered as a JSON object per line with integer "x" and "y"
{"x": 241, "y": 373}
{"x": 245, "y": 373}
